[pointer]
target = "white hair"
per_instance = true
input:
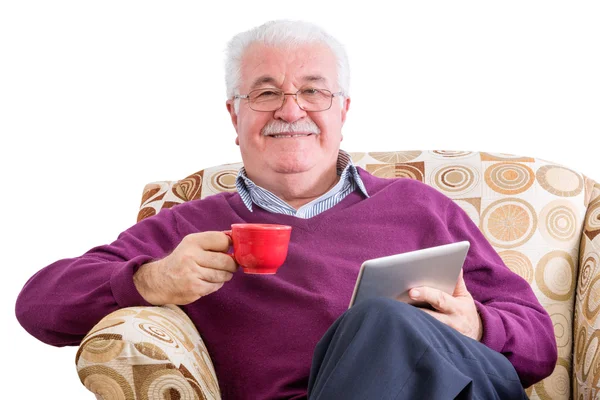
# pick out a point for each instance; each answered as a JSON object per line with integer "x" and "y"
{"x": 282, "y": 33}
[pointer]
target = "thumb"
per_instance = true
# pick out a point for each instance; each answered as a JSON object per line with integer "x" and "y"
{"x": 461, "y": 287}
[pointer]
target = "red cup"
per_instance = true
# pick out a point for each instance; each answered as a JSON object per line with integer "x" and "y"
{"x": 260, "y": 248}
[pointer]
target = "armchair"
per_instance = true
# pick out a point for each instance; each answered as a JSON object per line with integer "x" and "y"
{"x": 541, "y": 217}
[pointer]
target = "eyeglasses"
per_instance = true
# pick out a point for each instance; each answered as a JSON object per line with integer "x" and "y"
{"x": 308, "y": 99}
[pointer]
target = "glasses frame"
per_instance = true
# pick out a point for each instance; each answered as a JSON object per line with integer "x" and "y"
{"x": 247, "y": 97}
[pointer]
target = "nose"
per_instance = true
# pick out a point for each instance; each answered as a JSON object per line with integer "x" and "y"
{"x": 290, "y": 111}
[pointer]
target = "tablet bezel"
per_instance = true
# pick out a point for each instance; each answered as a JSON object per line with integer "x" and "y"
{"x": 393, "y": 276}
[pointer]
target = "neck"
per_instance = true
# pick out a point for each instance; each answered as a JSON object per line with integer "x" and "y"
{"x": 297, "y": 189}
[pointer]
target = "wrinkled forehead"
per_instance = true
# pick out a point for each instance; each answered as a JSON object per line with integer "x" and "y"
{"x": 298, "y": 65}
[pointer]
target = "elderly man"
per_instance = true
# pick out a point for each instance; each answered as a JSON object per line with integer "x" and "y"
{"x": 289, "y": 335}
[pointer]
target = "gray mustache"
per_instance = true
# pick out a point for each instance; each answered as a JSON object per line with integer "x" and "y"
{"x": 304, "y": 126}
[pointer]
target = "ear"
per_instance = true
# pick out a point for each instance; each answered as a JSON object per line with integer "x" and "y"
{"x": 234, "y": 118}
{"x": 345, "y": 108}
{"x": 232, "y": 114}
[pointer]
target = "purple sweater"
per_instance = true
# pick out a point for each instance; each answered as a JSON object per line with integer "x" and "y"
{"x": 261, "y": 330}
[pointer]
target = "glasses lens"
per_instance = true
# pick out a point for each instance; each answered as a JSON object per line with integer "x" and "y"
{"x": 308, "y": 99}
{"x": 265, "y": 99}
{"x": 314, "y": 99}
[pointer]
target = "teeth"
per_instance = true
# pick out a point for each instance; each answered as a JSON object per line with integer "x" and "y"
{"x": 299, "y": 135}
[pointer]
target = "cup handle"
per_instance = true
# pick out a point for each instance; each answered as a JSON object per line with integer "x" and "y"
{"x": 229, "y": 233}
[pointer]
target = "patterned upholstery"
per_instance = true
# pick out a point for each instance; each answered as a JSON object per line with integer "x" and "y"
{"x": 542, "y": 218}
{"x": 146, "y": 353}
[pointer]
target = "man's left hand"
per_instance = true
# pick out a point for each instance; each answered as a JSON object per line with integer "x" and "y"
{"x": 457, "y": 310}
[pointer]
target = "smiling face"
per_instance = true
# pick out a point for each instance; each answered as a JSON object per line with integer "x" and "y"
{"x": 268, "y": 144}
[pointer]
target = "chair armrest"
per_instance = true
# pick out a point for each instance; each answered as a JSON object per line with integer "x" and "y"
{"x": 145, "y": 352}
{"x": 586, "y": 329}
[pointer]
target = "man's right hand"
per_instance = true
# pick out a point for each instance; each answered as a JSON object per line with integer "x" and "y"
{"x": 198, "y": 266}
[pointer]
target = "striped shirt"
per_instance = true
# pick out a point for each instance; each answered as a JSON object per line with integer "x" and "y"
{"x": 349, "y": 181}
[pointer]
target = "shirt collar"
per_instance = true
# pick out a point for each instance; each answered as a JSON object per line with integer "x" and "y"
{"x": 345, "y": 169}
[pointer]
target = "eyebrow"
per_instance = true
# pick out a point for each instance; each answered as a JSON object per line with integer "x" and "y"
{"x": 314, "y": 78}
{"x": 267, "y": 79}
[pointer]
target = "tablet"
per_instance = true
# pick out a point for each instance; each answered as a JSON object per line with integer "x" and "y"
{"x": 393, "y": 276}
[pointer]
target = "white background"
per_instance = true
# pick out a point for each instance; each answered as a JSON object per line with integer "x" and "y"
{"x": 99, "y": 98}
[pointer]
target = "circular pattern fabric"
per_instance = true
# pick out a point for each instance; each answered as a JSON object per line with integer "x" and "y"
{"x": 591, "y": 305}
{"x": 505, "y": 156}
{"x": 394, "y": 157}
{"x": 559, "y": 224}
{"x": 508, "y": 223}
{"x": 106, "y": 323}
{"x": 451, "y": 154}
{"x": 189, "y": 188}
{"x": 150, "y": 191}
{"x": 518, "y": 263}
{"x": 223, "y": 181}
{"x": 555, "y": 275}
{"x": 158, "y": 333}
{"x": 560, "y": 181}
{"x": 562, "y": 322}
{"x": 152, "y": 351}
{"x": 356, "y": 156}
{"x": 455, "y": 180}
{"x": 167, "y": 327}
{"x": 591, "y": 353}
{"x": 202, "y": 366}
{"x": 409, "y": 171}
{"x": 396, "y": 171}
{"x": 509, "y": 178}
{"x": 106, "y": 383}
{"x": 165, "y": 381}
{"x": 596, "y": 372}
{"x": 145, "y": 212}
{"x": 123, "y": 312}
{"x": 102, "y": 348}
{"x": 557, "y": 385}
{"x": 587, "y": 269}
{"x": 580, "y": 345}
{"x": 592, "y": 222}
{"x": 387, "y": 171}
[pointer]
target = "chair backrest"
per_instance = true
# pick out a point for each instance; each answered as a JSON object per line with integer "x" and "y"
{"x": 541, "y": 217}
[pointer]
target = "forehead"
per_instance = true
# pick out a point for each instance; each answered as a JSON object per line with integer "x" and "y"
{"x": 264, "y": 65}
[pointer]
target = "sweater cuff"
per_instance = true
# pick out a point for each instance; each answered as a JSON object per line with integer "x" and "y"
{"x": 494, "y": 335}
{"x": 122, "y": 286}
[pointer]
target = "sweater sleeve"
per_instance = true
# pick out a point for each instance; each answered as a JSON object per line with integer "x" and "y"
{"x": 514, "y": 322}
{"x": 63, "y": 301}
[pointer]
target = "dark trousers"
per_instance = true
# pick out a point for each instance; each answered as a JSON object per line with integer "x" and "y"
{"x": 384, "y": 349}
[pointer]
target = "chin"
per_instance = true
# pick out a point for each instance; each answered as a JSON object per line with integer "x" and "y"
{"x": 293, "y": 166}
{"x": 290, "y": 169}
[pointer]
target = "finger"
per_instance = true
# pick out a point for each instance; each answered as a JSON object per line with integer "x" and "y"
{"x": 438, "y": 299}
{"x": 443, "y": 318}
{"x": 217, "y": 286}
{"x": 210, "y": 240}
{"x": 206, "y": 288}
{"x": 217, "y": 261}
{"x": 461, "y": 287}
{"x": 194, "y": 291}
{"x": 215, "y": 275}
